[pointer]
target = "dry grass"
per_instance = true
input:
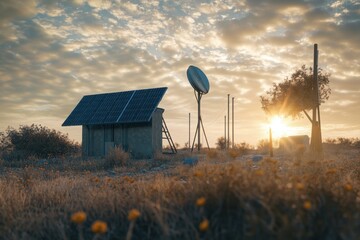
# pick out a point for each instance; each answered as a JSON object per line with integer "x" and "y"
{"x": 116, "y": 157}
{"x": 272, "y": 199}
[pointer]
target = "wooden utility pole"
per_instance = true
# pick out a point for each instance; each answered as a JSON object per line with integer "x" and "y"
{"x": 232, "y": 114}
{"x": 271, "y": 152}
{"x": 225, "y": 130}
{"x": 316, "y": 139}
{"x": 228, "y": 119}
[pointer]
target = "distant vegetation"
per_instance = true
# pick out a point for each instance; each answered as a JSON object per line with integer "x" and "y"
{"x": 35, "y": 141}
{"x": 344, "y": 142}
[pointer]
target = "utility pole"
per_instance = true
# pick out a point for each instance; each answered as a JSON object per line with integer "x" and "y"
{"x": 189, "y": 131}
{"x": 270, "y": 143}
{"x": 228, "y": 119}
{"x": 316, "y": 139}
{"x": 225, "y": 130}
{"x": 232, "y": 114}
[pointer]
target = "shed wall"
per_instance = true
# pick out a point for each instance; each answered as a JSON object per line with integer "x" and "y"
{"x": 141, "y": 140}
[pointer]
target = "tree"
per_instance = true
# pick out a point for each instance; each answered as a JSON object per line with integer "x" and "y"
{"x": 305, "y": 90}
{"x": 295, "y": 95}
{"x": 221, "y": 143}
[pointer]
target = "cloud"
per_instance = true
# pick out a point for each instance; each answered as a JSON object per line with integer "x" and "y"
{"x": 55, "y": 52}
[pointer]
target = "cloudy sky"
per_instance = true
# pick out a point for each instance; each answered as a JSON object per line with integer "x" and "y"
{"x": 54, "y": 52}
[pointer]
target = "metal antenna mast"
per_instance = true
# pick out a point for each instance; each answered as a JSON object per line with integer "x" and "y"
{"x": 200, "y": 83}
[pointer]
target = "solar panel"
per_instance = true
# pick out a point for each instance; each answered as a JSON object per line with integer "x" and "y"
{"x": 119, "y": 107}
{"x": 104, "y": 108}
{"x": 78, "y": 112}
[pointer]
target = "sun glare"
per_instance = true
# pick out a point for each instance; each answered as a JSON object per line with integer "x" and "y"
{"x": 278, "y": 127}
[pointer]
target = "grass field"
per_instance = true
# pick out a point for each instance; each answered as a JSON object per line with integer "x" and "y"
{"x": 219, "y": 198}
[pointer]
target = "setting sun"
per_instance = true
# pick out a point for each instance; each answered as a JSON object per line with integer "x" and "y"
{"x": 278, "y": 126}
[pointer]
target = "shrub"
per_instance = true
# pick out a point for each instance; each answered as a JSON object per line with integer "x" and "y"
{"x": 116, "y": 157}
{"x": 234, "y": 153}
{"x": 263, "y": 146}
{"x": 243, "y": 148}
{"x": 221, "y": 143}
{"x": 35, "y": 141}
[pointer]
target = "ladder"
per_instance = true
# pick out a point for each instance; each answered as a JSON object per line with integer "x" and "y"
{"x": 166, "y": 135}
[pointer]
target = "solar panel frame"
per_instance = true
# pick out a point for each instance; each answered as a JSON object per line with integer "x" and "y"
{"x": 118, "y": 107}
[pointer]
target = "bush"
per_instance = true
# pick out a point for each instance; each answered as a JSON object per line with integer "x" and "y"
{"x": 243, "y": 148}
{"x": 221, "y": 143}
{"x": 35, "y": 141}
{"x": 263, "y": 146}
{"x": 116, "y": 157}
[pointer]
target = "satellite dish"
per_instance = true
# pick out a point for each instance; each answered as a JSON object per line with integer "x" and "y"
{"x": 201, "y": 86}
{"x": 198, "y": 79}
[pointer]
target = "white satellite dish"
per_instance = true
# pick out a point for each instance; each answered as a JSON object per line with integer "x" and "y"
{"x": 200, "y": 83}
{"x": 198, "y": 79}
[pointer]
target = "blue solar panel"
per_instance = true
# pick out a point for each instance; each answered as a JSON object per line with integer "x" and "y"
{"x": 120, "y": 107}
{"x": 107, "y": 101}
{"x": 142, "y": 105}
{"x": 78, "y": 112}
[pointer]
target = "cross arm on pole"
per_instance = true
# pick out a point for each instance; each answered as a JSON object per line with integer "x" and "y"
{"x": 307, "y": 115}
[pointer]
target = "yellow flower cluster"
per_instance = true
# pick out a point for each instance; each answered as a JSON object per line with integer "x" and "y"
{"x": 300, "y": 186}
{"x": 331, "y": 171}
{"x": 204, "y": 225}
{"x": 198, "y": 174}
{"x": 78, "y": 217}
{"x": 129, "y": 179}
{"x": 99, "y": 227}
{"x": 259, "y": 172}
{"x": 200, "y": 202}
{"x": 348, "y": 187}
{"x": 307, "y": 205}
{"x": 133, "y": 214}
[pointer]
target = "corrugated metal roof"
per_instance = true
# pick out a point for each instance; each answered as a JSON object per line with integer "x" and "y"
{"x": 119, "y": 107}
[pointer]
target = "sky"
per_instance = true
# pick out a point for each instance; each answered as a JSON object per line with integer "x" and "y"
{"x": 55, "y": 52}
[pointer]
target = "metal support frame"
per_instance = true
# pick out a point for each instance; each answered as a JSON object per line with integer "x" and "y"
{"x": 197, "y": 132}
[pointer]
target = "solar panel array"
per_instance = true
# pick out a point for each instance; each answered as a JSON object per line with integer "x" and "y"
{"x": 121, "y": 107}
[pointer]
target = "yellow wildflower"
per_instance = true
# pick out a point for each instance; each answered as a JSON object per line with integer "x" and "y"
{"x": 78, "y": 217}
{"x": 307, "y": 205}
{"x": 198, "y": 174}
{"x": 200, "y": 202}
{"x": 133, "y": 214}
{"x": 259, "y": 172}
{"x": 99, "y": 227}
{"x": 348, "y": 187}
{"x": 300, "y": 186}
{"x": 204, "y": 225}
{"x": 129, "y": 179}
{"x": 331, "y": 171}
